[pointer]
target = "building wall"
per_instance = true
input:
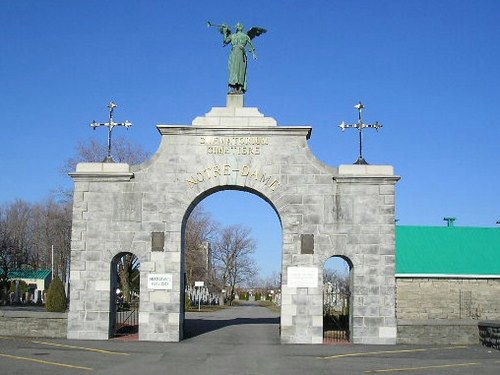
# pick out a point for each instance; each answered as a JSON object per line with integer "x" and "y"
{"x": 438, "y": 332}
{"x": 444, "y": 310}
{"x": 448, "y": 298}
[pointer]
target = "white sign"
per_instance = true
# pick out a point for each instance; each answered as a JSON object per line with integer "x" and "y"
{"x": 199, "y": 284}
{"x": 302, "y": 277}
{"x": 160, "y": 281}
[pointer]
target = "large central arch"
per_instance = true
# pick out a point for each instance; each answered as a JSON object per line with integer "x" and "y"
{"x": 214, "y": 288}
{"x": 324, "y": 211}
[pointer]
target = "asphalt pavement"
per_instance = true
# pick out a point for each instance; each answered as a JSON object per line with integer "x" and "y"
{"x": 242, "y": 340}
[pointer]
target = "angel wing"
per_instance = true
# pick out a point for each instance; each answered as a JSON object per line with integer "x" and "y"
{"x": 256, "y": 31}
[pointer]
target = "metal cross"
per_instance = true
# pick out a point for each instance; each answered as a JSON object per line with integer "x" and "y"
{"x": 360, "y": 126}
{"x": 110, "y": 125}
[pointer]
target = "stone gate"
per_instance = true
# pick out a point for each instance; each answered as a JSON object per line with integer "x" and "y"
{"x": 324, "y": 211}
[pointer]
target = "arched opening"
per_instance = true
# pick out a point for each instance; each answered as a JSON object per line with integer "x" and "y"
{"x": 124, "y": 295}
{"x": 232, "y": 255}
{"x": 337, "y": 307}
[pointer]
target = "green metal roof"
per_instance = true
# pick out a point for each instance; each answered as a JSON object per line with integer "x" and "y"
{"x": 28, "y": 274}
{"x": 447, "y": 251}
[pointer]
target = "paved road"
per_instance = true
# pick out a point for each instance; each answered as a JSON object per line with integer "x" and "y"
{"x": 242, "y": 340}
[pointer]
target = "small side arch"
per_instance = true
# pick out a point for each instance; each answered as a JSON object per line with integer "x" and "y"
{"x": 337, "y": 299}
{"x": 124, "y": 295}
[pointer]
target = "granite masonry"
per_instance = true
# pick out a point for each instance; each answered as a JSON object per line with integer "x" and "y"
{"x": 324, "y": 211}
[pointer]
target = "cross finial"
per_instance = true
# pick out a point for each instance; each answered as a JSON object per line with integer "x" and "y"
{"x": 360, "y": 125}
{"x": 110, "y": 125}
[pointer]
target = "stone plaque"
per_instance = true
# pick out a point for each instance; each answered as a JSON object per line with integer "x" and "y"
{"x": 127, "y": 207}
{"x": 307, "y": 243}
{"x": 157, "y": 241}
{"x": 160, "y": 281}
{"x": 302, "y": 277}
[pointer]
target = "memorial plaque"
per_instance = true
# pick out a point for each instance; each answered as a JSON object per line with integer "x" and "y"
{"x": 160, "y": 281}
{"x": 157, "y": 241}
{"x": 302, "y": 277}
{"x": 307, "y": 243}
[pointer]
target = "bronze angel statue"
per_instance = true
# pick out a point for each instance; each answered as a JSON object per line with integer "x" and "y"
{"x": 237, "y": 63}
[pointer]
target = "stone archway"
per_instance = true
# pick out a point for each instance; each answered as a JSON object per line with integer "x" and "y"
{"x": 212, "y": 280}
{"x": 322, "y": 210}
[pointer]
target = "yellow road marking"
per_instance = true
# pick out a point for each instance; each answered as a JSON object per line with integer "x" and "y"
{"x": 360, "y": 354}
{"x": 46, "y": 362}
{"x": 102, "y": 351}
{"x": 422, "y": 367}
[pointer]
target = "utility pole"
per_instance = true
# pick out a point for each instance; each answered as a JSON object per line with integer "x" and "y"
{"x": 52, "y": 261}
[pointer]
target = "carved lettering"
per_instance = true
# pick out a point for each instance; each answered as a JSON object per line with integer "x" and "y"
{"x": 274, "y": 184}
{"x": 265, "y": 179}
{"x": 216, "y": 171}
{"x": 234, "y": 145}
{"x": 245, "y": 170}
{"x": 255, "y": 174}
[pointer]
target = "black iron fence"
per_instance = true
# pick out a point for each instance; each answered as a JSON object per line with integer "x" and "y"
{"x": 127, "y": 319}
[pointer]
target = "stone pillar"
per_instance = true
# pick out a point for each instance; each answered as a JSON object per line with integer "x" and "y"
{"x": 95, "y": 206}
{"x": 364, "y": 210}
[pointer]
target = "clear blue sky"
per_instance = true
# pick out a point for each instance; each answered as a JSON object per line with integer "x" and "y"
{"x": 428, "y": 70}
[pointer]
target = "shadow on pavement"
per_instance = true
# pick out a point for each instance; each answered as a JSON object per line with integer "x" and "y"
{"x": 196, "y": 327}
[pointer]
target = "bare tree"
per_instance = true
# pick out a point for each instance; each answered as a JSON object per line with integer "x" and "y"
{"x": 92, "y": 151}
{"x": 128, "y": 275}
{"x": 6, "y": 256}
{"x": 199, "y": 235}
{"x": 18, "y": 229}
{"x": 232, "y": 255}
{"x": 336, "y": 289}
{"x": 52, "y": 230}
{"x": 271, "y": 282}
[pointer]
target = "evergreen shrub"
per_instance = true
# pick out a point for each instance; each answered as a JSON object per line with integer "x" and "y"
{"x": 56, "y": 298}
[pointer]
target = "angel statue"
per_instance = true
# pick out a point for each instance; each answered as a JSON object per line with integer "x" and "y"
{"x": 237, "y": 63}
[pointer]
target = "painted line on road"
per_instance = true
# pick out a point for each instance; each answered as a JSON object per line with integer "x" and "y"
{"x": 423, "y": 367}
{"x": 360, "y": 354}
{"x": 46, "y": 362}
{"x": 102, "y": 351}
{"x": 48, "y": 343}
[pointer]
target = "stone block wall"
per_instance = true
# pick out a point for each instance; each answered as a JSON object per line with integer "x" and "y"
{"x": 438, "y": 332}
{"x": 445, "y": 310}
{"x": 33, "y": 324}
{"x": 448, "y": 298}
